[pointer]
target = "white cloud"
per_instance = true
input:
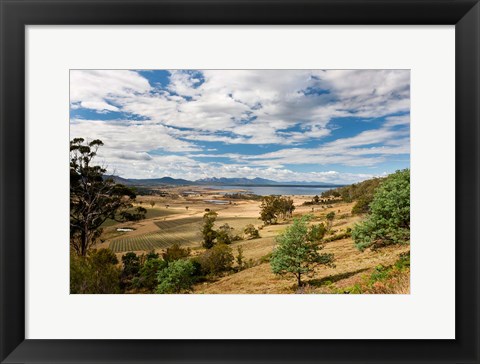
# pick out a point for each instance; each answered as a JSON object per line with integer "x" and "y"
{"x": 97, "y": 89}
{"x": 257, "y": 107}
{"x": 360, "y": 150}
{"x": 184, "y": 167}
{"x": 132, "y": 137}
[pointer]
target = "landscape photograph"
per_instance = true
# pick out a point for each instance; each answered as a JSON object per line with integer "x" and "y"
{"x": 239, "y": 181}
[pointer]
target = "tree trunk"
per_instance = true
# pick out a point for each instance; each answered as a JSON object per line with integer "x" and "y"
{"x": 299, "y": 279}
{"x": 84, "y": 242}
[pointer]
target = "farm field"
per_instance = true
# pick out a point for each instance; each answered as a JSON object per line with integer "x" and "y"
{"x": 179, "y": 225}
{"x": 184, "y": 230}
{"x": 154, "y": 212}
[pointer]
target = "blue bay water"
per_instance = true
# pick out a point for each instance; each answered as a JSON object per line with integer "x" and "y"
{"x": 276, "y": 190}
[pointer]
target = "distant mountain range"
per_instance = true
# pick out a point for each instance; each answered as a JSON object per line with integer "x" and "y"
{"x": 214, "y": 181}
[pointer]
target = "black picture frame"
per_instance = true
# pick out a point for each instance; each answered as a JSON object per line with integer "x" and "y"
{"x": 16, "y": 14}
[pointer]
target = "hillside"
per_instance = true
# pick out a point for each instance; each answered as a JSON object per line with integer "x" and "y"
{"x": 214, "y": 181}
{"x": 177, "y": 224}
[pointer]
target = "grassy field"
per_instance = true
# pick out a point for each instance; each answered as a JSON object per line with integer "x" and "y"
{"x": 353, "y": 269}
{"x": 184, "y": 231}
{"x": 152, "y": 213}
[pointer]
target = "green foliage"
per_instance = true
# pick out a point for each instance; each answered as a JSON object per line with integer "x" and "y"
{"x": 152, "y": 255}
{"x": 251, "y": 231}
{"x": 95, "y": 273}
{"x": 316, "y": 233}
{"x": 362, "y": 206}
{"x": 330, "y": 217}
{"x": 225, "y": 234}
{"x": 273, "y": 207}
{"x": 93, "y": 198}
{"x": 147, "y": 278}
{"x": 175, "y": 252}
{"x": 209, "y": 235}
{"x": 177, "y": 277}
{"x": 403, "y": 261}
{"x": 131, "y": 264}
{"x": 240, "y": 257}
{"x": 136, "y": 214}
{"x": 389, "y": 219}
{"x": 384, "y": 279}
{"x": 295, "y": 253}
{"x": 242, "y": 196}
{"x": 216, "y": 260}
{"x": 268, "y": 210}
{"x": 363, "y": 190}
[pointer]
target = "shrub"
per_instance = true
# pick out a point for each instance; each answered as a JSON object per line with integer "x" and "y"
{"x": 216, "y": 260}
{"x": 177, "y": 277}
{"x": 403, "y": 261}
{"x": 175, "y": 252}
{"x": 239, "y": 258}
{"x": 147, "y": 277}
{"x": 251, "y": 231}
{"x": 95, "y": 273}
{"x": 131, "y": 268}
{"x": 151, "y": 255}
{"x": 131, "y": 265}
{"x": 389, "y": 219}
{"x": 362, "y": 206}
{"x": 225, "y": 234}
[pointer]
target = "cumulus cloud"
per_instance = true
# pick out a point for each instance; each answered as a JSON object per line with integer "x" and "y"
{"x": 164, "y": 128}
{"x": 98, "y": 89}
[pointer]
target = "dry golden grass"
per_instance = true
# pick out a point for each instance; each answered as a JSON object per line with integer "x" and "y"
{"x": 352, "y": 266}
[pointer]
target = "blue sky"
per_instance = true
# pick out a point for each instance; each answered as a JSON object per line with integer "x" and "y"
{"x": 338, "y": 126}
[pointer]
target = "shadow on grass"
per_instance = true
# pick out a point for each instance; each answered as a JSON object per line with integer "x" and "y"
{"x": 334, "y": 278}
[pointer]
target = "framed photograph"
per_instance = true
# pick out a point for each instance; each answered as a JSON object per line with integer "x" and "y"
{"x": 240, "y": 181}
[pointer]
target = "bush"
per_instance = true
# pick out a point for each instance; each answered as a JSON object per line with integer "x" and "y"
{"x": 225, "y": 234}
{"x": 403, "y": 261}
{"x": 97, "y": 273}
{"x": 177, "y": 277}
{"x": 216, "y": 260}
{"x": 147, "y": 278}
{"x": 131, "y": 265}
{"x": 240, "y": 257}
{"x": 362, "y": 206}
{"x": 330, "y": 216}
{"x": 389, "y": 220}
{"x": 175, "y": 252}
{"x": 251, "y": 231}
